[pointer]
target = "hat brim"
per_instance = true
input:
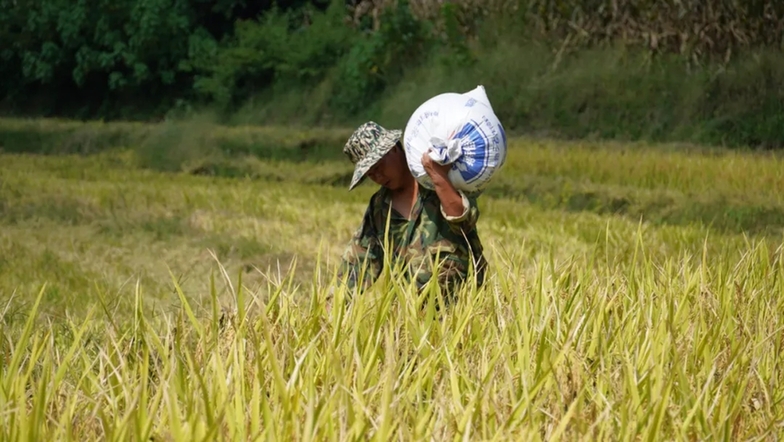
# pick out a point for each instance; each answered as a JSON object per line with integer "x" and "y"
{"x": 381, "y": 147}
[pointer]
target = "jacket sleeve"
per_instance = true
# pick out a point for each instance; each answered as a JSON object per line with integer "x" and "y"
{"x": 466, "y": 221}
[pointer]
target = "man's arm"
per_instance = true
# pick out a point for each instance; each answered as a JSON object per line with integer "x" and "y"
{"x": 451, "y": 200}
{"x": 458, "y": 209}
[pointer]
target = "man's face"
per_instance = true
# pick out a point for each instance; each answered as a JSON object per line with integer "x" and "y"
{"x": 389, "y": 170}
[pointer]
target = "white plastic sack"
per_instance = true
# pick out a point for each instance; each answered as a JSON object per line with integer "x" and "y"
{"x": 462, "y": 130}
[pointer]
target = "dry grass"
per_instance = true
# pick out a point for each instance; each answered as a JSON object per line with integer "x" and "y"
{"x": 144, "y": 305}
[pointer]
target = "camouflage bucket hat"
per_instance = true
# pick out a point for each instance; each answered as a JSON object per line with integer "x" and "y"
{"x": 368, "y": 144}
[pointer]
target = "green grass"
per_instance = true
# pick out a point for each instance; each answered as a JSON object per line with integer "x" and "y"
{"x": 639, "y": 300}
{"x": 616, "y": 93}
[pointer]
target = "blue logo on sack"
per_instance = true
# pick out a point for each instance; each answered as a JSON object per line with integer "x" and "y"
{"x": 473, "y": 163}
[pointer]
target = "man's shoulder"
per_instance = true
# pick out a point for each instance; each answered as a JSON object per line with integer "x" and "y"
{"x": 428, "y": 195}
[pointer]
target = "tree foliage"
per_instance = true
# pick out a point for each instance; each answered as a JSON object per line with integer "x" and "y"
{"x": 143, "y": 58}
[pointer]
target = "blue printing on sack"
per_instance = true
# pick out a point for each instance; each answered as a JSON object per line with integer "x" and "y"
{"x": 474, "y": 161}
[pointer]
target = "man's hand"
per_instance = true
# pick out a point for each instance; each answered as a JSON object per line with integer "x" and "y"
{"x": 451, "y": 201}
{"x": 432, "y": 168}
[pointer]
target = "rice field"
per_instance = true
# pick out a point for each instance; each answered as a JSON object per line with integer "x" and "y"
{"x": 635, "y": 293}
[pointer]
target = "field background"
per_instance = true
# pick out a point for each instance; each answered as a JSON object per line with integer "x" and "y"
{"x": 173, "y": 202}
{"x": 636, "y": 291}
{"x": 191, "y": 194}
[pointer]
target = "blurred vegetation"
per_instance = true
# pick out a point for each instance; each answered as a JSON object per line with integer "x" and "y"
{"x": 677, "y": 183}
{"x": 698, "y": 71}
{"x": 164, "y": 306}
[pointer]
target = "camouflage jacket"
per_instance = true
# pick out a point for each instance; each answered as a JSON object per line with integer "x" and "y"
{"x": 415, "y": 244}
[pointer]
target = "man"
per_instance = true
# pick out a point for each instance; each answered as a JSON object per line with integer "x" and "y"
{"x": 424, "y": 226}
